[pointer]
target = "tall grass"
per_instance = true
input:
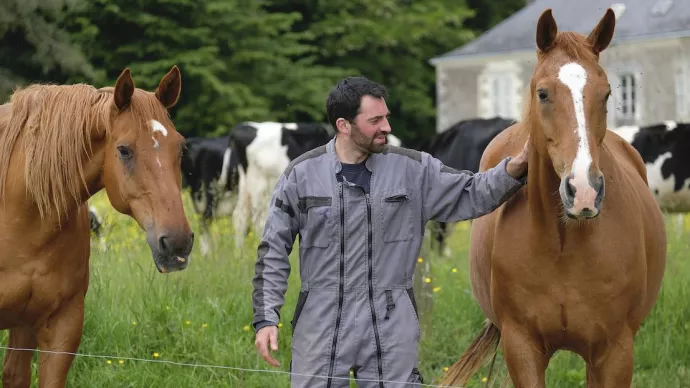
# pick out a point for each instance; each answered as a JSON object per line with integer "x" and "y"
{"x": 202, "y": 316}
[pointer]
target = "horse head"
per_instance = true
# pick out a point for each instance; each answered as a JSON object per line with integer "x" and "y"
{"x": 142, "y": 159}
{"x": 567, "y": 110}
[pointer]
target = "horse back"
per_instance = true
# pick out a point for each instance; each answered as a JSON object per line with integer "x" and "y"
{"x": 508, "y": 142}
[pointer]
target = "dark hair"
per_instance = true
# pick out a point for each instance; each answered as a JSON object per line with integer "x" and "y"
{"x": 344, "y": 99}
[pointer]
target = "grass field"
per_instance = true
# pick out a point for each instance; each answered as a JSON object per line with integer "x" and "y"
{"x": 203, "y": 314}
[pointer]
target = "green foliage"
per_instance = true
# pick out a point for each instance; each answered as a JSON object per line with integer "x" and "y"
{"x": 236, "y": 58}
{"x": 390, "y": 42}
{"x": 490, "y": 13}
{"x": 245, "y": 59}
{"x": 33, "y": 46}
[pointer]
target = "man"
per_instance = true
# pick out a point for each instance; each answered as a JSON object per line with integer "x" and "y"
{"x": 360, "y": 206}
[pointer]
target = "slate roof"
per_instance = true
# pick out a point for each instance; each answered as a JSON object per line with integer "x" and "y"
{"x": 641, "y": 19}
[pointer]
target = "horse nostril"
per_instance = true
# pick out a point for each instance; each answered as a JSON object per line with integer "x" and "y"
{"x": 570, "y": 189}
{"x": 189, "y": 241}
{"x": 601, "y": 183}
{"x": 162, "y": 243}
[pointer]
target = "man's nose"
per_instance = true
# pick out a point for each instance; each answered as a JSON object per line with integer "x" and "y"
{"x": 386, "y": 127}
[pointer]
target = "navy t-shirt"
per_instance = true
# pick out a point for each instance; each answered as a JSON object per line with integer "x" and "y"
{"x": 357, "y": 174}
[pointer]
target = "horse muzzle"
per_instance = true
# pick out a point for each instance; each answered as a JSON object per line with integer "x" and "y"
{"x": 582, "y": 197}
{"x": 171, "y": 251}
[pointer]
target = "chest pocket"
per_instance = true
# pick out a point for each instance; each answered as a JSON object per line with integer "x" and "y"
{"x": 397, "y": 215}
{"x": 317, "y": 221}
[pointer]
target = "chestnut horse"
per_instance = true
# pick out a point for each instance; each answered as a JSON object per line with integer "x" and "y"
{"x": 558, "y": 267}
{"x": 59, "y": 145}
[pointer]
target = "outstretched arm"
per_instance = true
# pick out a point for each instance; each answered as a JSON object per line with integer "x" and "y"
{"x": 451, "y": 195}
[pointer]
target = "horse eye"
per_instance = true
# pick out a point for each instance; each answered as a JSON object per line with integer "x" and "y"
{"x": 125, "y": 152}
{"x": 543, "y": 95}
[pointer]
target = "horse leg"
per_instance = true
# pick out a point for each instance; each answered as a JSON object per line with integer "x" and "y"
{"x": 58, "y": 338}
{"x": 613, "y": 366}
{"x": 17, "y": 369}
{"x": 525, "y": 358}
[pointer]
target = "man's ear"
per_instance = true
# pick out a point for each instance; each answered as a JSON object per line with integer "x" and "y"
{"x": 343, "y": 125}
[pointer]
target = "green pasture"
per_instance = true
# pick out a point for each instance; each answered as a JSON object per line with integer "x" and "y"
{"x": 138, "y": 321}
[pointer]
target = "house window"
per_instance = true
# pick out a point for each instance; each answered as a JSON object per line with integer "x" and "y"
{"x": 500, "y": 87}
{"x": 627, "y": 96}
{"x": 502, "y": 95}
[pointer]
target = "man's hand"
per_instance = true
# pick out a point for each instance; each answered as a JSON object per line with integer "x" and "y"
{"x": 517, "y": 166}
{"x": 267, "y": 335}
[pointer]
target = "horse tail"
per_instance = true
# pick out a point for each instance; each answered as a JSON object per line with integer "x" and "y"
{"x": 484, "y": 344}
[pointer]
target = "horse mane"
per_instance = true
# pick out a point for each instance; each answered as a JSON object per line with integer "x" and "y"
{"x": 55, "y": 123}
{"x": 576, "y": 47}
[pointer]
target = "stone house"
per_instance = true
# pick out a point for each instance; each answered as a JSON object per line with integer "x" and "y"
{"x": 647, "y": 62}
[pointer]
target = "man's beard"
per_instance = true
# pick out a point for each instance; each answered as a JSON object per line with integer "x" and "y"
{"x": 367, "y": 143}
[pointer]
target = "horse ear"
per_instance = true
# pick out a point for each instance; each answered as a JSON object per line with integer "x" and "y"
{"x": 169, "y": 88}
{"x": 601, "y": 35}
{"x": 546, "y": 30}
{"x": 124, "y": 88}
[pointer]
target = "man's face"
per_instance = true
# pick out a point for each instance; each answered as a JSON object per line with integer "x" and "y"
{"x": 371, "y": 125}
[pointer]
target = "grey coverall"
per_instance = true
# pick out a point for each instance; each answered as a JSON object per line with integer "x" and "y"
{"x": 356, "y": 308}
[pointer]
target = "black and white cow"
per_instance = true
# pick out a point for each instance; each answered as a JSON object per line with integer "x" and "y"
{"x": 209, "y": 170}
{"x": 461, "y": 147}
{"x": 264, "y": 151}
{"x": 665, "y": 150}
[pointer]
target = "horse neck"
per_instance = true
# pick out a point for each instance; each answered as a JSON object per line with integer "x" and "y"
{"x": 542, "y": 188}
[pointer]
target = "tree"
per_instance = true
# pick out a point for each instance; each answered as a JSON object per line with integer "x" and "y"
{"x": 33, "y": 46}
{"x": 390, "y": 42}
{"x": 236, "y": 58}
{"x": 490, "y": 13}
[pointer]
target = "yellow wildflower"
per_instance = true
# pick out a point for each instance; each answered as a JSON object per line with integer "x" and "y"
{"x": 454, "y": 270}
{"x": 280, "y": 324}
{"x": 484, "y": 379}
{"x": 204, "y": 325}
{"x": 445, "y": 369}
{"x": 420, "y": 260}
{"x": 437, "y": 289}
{"x": 134, "y": 323}
{"x": 108, "y": 362}
{"x": 188, "y": 322}
{"x": 246, "y": 327}
{"x": 427, "y": 280}
{"x": 155, "y": 354}
{"x": 122, "y": 362}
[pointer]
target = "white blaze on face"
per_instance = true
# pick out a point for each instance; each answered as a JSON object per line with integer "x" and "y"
{"x": 574, "y": 77}
{"x": 157, "y": 127}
